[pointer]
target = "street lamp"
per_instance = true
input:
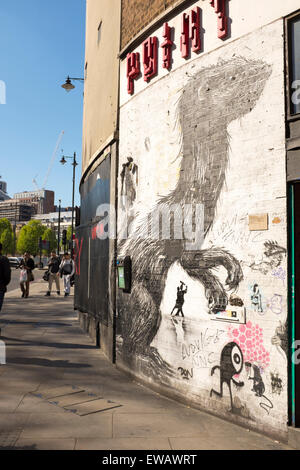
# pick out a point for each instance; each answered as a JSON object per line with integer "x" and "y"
{"x": 68, "y": 85}
{"x": 63, "y": 161}
{"x": 15, "y": 224}
{"x": 58, "y": 228}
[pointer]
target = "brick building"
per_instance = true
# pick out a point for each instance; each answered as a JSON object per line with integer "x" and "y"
{"x": 200, "y": 163}
{"x": 41, "y": 200}
{"x": 15, "y": 211}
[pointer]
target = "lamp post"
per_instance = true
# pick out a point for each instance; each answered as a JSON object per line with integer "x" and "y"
{"x": 15, "y": 224}
{"x": 68, "y": 85}
{"x": 58, "y": 228}
{"x": 74, "y": 164}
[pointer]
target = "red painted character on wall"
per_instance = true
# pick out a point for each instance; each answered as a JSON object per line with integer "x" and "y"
{"x": 220, "y": 9}
{"x": 77, "y": 254}
{"x": 133, "y": 70}
{"x": 150, "y": 57}
{"x": 167, "y": 47}
{"x": 196, "y": 29}
{"x": 190, "y": 30}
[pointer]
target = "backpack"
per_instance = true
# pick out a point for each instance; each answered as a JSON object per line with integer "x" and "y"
{"x": 67, "y": 268}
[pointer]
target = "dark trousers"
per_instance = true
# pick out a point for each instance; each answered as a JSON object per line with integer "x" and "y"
{"x": 25, "y": 288}
{"x": 2, "y": 293}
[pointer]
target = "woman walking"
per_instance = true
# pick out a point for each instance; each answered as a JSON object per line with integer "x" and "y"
{"x": 67, "y": 270}
{"x": 26, "y": 276}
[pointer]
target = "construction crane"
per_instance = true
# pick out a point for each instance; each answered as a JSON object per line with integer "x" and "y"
{"x": 51, "y": 162}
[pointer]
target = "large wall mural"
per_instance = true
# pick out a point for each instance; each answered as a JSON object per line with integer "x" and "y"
{"x": 205, "y": 303}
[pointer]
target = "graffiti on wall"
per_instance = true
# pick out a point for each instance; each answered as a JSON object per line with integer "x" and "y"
{"x": 258, "y": 385}
{"x": 276, "y": 383}
{"x": 181, "y": 291}
{"x": 129, "y": 182}
{"x": 274, "y": 304}
{"x": 256, "y": 299}
{"x": 272, "y": 259}
{"x": 139, "y": 313}
{"x": 201, "y": 351}
{"x": 231, "y": 364}
{"x": 250, "y": 339}
{"x": 77, "y": 255}
{"x": 280, "y": 339}
{"x": 186, "y": 374}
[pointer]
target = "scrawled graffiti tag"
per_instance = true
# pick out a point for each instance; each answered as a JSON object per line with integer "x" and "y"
{"x": 279, "y": 273}
{"x": 275, "y": 304}
{"x": 185, "y": 373}
{"x": 200, "y": 350}
{"x": 230, "y": 232}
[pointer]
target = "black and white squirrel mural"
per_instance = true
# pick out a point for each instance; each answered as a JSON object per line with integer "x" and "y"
{"x": 220, "y": 94}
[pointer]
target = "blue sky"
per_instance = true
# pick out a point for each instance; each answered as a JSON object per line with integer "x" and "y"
{"x": 41, "y": 43}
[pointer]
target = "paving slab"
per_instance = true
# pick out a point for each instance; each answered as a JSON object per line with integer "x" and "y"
{"x": 9, "y": 403}
{"x": 67, "y": 425}
{"x": 55, "y": 392}
{"x": 45, "y": 444}
{"x": 92, "y": 407}
{"x": 123, "y": 444}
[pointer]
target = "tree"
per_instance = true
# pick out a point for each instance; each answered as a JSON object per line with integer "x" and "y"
{"x": 49, "y": 235}
{"x": 7, "y": 240}
{"x": 6, "y": 236}
{"x": 4, "y": 224}
{"x": 28, "y": 239}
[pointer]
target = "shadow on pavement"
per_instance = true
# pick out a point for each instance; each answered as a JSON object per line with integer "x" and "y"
{"x": 45, "y": 362}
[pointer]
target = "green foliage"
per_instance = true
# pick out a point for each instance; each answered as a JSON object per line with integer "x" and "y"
{"x": 6, "y": 236}
{"x": 7, "y": 240}
{"x": 4, "y": 224}
{"x": 28, "y": 239}
{"x": 69, "y": 233}
{"x": 49, "y": 235}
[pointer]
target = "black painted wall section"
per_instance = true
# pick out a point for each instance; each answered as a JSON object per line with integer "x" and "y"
{"x": 92, "y": 252}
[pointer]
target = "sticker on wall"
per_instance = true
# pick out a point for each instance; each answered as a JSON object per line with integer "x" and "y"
{"x": 232, "y": 315}
{"x": 235, "y": 313}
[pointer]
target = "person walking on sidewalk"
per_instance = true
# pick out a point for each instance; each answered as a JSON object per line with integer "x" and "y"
{"x": 5, "y": 276}
{"x": 53, "y": 269}
{"x": 67, "y": 270}
{"x": 26, "y": 276}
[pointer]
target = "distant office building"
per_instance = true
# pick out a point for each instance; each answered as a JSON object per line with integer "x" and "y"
{"x": 15, "y": 211}
{"x": 63, "y": 209}
{"x": 3, "y": 191}
{"x": 41, "y": 200}
{"x": 51, "y": 220}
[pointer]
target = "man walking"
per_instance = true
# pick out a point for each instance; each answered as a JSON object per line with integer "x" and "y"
{"x": 5, "y": 275}
{"x": 53, "y": 267}
{"x": 67, "y": 270}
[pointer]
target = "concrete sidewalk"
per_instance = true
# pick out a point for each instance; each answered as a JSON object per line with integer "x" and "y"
{"x": 46, "y": 349}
